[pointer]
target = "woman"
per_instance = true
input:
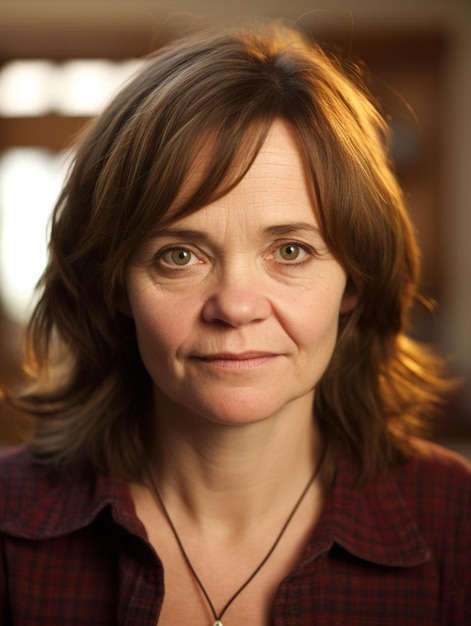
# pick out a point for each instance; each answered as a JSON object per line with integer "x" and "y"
{"x": 226, "y": 399}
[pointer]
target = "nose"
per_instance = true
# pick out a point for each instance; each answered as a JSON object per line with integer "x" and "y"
{"x": 236, "y": 302}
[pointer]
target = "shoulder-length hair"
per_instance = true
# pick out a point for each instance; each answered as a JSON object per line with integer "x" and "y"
{"x": 90, "y": 390}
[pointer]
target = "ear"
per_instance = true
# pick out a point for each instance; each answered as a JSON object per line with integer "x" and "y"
{"x": 349, "y": 299}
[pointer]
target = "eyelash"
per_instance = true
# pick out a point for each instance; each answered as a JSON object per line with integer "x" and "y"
{"x": 307, "y": 250}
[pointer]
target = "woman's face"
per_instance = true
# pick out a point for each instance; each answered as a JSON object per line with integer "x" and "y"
{"x": 236, "y": 306}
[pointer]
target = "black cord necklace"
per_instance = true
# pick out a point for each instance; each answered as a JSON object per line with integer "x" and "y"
{"x": 218, "y": 616}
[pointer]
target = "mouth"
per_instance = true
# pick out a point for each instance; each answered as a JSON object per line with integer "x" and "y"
{"x": 237, "y": 361}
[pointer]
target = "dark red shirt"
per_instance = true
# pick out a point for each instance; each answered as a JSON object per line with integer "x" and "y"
{"x": 396, "y": 551}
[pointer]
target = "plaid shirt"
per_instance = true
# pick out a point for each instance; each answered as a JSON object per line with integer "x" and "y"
{"x": 395, "y": 552}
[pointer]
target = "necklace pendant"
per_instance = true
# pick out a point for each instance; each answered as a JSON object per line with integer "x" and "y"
{"x": 218, "y": 623}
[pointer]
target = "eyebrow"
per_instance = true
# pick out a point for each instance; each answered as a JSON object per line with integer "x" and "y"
{"x": 181, "y": 233}
{"x": 292, "y": 227}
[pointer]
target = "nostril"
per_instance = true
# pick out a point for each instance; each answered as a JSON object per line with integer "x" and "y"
{"x": 236, "y": 307}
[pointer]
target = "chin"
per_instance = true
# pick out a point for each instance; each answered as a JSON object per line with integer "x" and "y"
{"x": 241, "y": 409}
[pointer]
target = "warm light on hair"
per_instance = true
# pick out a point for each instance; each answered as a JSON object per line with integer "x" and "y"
{"x": 228, "y": 88}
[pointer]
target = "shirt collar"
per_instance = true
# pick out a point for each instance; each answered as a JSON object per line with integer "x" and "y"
{"x": 42, "y": 502}
{"x": 370, "y": 521}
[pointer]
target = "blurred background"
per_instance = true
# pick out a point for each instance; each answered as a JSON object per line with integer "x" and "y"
{"x": 61, "y": 60}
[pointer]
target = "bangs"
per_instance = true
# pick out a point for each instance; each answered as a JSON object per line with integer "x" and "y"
{"x": 218, "y": 160}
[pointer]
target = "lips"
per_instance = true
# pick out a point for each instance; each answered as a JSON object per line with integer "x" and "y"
{"x": 239, "y": 356}
{"x": 236, "y": 361}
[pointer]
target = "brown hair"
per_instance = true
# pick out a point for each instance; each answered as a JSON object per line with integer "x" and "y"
{"x": 91, "y": 391}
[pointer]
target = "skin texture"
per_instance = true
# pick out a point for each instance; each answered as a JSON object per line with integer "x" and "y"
{"x": 236, "y": 310}
{"x": 236, "y": 306}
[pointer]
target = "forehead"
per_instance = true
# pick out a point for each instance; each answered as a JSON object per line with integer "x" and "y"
{"x": 276, "y": 176}
{"x": 273, "y": 191}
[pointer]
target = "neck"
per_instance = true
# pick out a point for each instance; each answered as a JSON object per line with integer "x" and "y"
{"x": 217, "y": 472}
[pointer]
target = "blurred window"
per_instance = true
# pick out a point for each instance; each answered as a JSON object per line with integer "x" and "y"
{"x": 74, "y": 87}
{"x": 30, "y": 180}
{"x": 38, "y": 94}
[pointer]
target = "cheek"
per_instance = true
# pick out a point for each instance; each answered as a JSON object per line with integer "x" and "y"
{"x": 162, "y": 328}
{"x": 313, "y": 317}
{"x": 157, "y": 345}
{"x": 319, "y": 335}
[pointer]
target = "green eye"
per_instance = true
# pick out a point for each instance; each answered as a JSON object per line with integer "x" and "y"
{"x": 290, "y": 252}
{"x": 179, "y": 256}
